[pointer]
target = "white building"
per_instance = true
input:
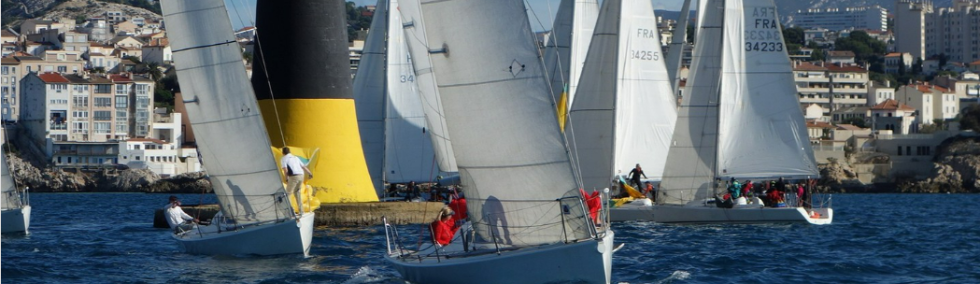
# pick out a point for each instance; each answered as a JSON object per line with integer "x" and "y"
{"x": 891, "y": 115}
{"x": 910, "y": 26}
{"x": 158, "y": 51}
{"x": 162, "y": 152}
{"x": 933, "y": 102}
{"x": 871, "y": 18}
{"x": 895, "y": 61}
{"x": 879, "y": 93}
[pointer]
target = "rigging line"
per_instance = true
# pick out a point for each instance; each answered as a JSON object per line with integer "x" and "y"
{"x": 268, "y": 82}
{"x": 238, "y": 13}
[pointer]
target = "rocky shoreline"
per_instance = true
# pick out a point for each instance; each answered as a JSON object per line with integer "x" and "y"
{"x": 51, "y": 179}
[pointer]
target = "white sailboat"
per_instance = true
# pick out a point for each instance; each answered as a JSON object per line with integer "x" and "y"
{"x": 413, "y": 26}
{"x": 565, "y": 50}
{"x": 740, "y": 120}
{"x": 256, "y": 216}
{"x": 529, "y": 222}
{"x": 625, "y": 111}
{"x": 392, "y": 124}
{"x": 15, "y": 208}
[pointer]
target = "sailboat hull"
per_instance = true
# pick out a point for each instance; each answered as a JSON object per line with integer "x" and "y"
{"x": 15, "y": 220}
{"x": 270, "y": 239}
{"x": 709, "y": 214}
{"x": 587, "y": 262}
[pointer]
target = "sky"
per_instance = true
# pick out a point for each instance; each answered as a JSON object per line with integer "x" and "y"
{"x": 242, "y": 12}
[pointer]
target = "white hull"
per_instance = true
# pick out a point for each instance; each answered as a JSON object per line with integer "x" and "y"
{"x": 587, "y": 262}
{"x": 285, "y": 237}
{"x": 713, "y": 214}
{"x": 15, "y": 220}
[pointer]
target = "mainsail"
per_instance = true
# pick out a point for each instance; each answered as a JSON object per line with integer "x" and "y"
{"x": 221, "y": 106}
{"x": 625, "y": 110}
{"x": 418, "y": 47}
{"x": 6, "y": 181}
{"x": 513, "y": 162}
{"x": 741, "y": 118}
{"x": 392, "y": 124}
{"x": 566, "y": 48}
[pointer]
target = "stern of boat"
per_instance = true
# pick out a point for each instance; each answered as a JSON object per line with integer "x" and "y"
{"x": 285, "y": 236}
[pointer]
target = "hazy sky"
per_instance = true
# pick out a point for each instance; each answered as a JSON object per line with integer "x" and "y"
{"x": 242, "y": 12}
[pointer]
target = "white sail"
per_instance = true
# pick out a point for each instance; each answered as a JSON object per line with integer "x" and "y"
{"x": 512, "y": 158}
{"x": 222, "y": 109}
{"x": 625, "y": 110}
{"x": 692, "y": 154}
{"x": 762, "y": 129}
{"x": 369, "y": 97}
{"x": 742, "y": 118}
{"x": 566, "y": 48}
{"x": 408, "y": 151}
{"x": 6, "y": 181}
{"x": 678, "y": 43}
{"x": 413, "y": 25}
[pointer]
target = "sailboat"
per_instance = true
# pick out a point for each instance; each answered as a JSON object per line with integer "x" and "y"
{"x": 529, "y": 221}
{"x": 392, "y": 124}
{"x": 564, "y": 54}
{"x": 256, "y": 216}
{"x": 15, "y": 207}
{"x": 624, "y": 112}
{"x": 741, "y": 120}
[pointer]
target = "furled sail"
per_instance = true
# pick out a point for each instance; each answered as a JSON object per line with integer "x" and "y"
{"x": 418, "y": 47}
{"x": 512, "y": 158}
{"x": 625, "y": 111}
{"x": 221, "y": 106}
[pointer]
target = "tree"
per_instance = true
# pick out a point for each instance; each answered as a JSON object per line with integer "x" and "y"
{"x": 864, "y": 46}
{"x": 917, "y": 66}
{"x": 970, "y": 118}
{"x": 690, "y": 34}
{"x": 856, "y": 121}
{"x": 943, "y": 59}
{"x": 817, "y": 55}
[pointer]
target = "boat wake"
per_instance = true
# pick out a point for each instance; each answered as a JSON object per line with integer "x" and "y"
{"x": 677, "y": 275}
{"x": 366, "y": 274}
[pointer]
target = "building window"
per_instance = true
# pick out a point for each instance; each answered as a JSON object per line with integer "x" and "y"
{"x": 103, "y": 89}
{"x": 103, "y": 127}
{"x": 102, "y": 115}
{"x": 103, "y": 102}
{"x": 122, "y": 101}
{"x": 899, "y": 150}
{"x": 122, "y": 89}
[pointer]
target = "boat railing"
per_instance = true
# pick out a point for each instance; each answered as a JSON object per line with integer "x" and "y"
{"x": 508, "y": 225}
{"x": 16, "y": 198}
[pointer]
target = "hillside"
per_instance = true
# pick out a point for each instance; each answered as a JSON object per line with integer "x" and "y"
{"x": 15, "y": 11}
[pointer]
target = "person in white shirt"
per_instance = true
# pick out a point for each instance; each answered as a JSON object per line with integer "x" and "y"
{"x": 294, "y": 170}
{"x": 176, "y": 218}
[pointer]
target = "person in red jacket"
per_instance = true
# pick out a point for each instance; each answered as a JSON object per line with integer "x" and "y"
{"x": 443, "y": 228}
{"x": 458, "y": 204}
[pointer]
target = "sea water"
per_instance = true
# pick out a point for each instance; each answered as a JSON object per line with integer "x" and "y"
{"x": 883, "y": 238}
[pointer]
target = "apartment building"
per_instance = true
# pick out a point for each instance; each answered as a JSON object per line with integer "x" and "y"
{"x": 924, "y": 30}
{"x": 10, "y": 74}
{"x": 891, "y": 115}
{"x": 895, "y": 61}
{"x": 879, "y": 93}
{"x": 836, "y": 19}
{"x": 79, "y": 121}
{"x": 815, "y": 81}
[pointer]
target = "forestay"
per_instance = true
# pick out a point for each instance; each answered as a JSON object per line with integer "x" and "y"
{"x": 369, "y": 97}
{"x": 625, "y": 111}
{"x": 762, "y": 130}
{"x": 565, "y": 51}
{"x": 431, "y": 102}
{"x": 231, "y": 135}
{"x": 512, "y": 157}
{"x": 692, "y": 154}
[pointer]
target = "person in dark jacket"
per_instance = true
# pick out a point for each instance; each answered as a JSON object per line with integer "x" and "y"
{"x": 634, "y": 176}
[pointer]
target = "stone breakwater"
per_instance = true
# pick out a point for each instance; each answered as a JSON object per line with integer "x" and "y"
{"x": 51, "y": 179}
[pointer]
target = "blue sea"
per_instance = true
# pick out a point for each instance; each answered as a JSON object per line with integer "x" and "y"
{"x": 875, "y": 238}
